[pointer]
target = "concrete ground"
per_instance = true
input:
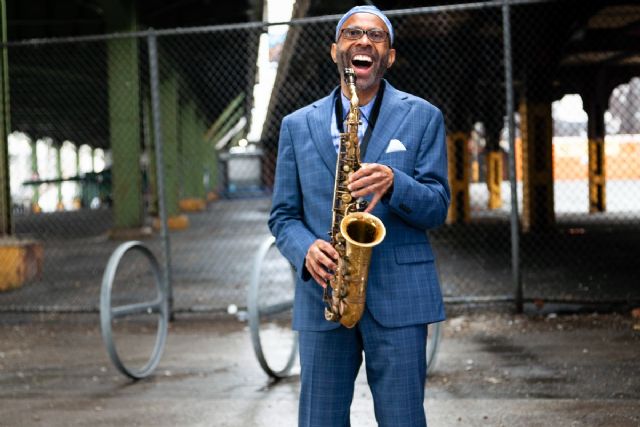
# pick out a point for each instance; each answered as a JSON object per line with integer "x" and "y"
{"x": 493, "y": 369}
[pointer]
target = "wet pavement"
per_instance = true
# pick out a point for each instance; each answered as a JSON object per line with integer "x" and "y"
{"x": 493, "y": 369}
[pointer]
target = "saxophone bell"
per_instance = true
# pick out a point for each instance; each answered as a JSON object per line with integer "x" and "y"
{"x": 362, "y": 232}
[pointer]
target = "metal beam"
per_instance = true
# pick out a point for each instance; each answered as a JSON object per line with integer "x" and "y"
{"x": 605, "y": 41}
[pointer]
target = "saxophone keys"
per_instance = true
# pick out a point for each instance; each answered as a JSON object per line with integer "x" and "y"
{"x": 331, "y": 316}
{"x": 346, "y": 197}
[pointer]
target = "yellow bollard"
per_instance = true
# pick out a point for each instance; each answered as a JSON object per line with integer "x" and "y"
{"x": 597, "y": 177}
{"x": 20, "y": 261}
{"x": 494, "y": 178}
{"x": 458, "y": 162}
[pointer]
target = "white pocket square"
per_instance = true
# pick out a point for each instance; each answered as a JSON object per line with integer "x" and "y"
{"x": 395, "y": 145}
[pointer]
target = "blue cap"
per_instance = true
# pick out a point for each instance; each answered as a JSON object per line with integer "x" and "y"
{"x": 365, "y": 9}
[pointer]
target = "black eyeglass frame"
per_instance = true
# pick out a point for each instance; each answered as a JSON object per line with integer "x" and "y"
{"x": 363, "y": 32}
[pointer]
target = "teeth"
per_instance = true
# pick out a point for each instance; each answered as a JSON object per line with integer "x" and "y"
{"x": 362, "y": 58}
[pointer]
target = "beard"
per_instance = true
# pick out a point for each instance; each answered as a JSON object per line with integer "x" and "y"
{"x": 375, "y": 72}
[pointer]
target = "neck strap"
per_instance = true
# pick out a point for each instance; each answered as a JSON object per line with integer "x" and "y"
{"x": 371, "y": 119}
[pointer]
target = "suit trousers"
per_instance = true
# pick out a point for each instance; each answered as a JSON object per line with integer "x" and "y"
{"x": 395, "y": 360}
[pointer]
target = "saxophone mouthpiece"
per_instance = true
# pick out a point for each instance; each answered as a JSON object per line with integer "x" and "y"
{"x": 349, "y": 76}
{"x": 350, "y": 80}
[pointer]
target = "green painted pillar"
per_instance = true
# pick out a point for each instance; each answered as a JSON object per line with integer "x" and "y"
{"x": 5, "y": 129}
{"x": 193, "y": 154}
{"x": 124, "y": 116}
{"x": 169, "y": 114}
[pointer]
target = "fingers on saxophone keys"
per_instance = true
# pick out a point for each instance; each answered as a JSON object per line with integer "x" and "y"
{"x": 320, "y": 281}
{"x": 326, "y": 265}
{"x": 326, "y": 276}
{"x": 319, "y": 261}
{"x": 322, "y": 276}
{"x": 356, "y": 187}
{"x": 326, "y": 252}
{"x": 364, "y": 185}
{"x": 374, "y": 201}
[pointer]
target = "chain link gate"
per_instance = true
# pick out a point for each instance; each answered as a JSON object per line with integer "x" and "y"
{"x": 83, "y": 106}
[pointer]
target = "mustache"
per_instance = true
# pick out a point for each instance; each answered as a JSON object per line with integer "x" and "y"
{"x": 347, "y": 55}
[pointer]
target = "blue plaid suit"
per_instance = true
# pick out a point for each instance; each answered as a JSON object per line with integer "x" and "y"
{"x": 403, "y": 288}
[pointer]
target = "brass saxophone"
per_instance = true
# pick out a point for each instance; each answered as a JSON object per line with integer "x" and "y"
{"x": 353, "y": 233}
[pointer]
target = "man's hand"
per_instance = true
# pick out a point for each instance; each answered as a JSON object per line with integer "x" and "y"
{"x": 321, "y": 261}
{"x": 371, "y": 178}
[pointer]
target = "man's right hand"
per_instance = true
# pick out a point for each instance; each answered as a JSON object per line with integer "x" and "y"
{"x": 321, "y": 261}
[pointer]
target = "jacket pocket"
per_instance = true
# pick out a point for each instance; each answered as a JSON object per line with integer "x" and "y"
{"x": 414, "y": 253}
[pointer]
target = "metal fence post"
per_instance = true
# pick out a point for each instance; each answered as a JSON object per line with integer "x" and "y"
{"x": 6, "y": 227}
{"x": 157, "y": 133}
{"x": 515, "y": 226}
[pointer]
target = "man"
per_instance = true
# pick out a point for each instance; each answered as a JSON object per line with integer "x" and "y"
{"x": 404, "y": 178}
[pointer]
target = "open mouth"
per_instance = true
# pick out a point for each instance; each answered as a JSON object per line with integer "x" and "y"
{"x": 362, "y": 62}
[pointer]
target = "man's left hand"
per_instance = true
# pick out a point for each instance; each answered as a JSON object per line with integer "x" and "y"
{"x": 371, "y": 178}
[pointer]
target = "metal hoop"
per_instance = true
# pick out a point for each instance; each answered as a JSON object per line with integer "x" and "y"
{"x": 108, "y": 313}
{"x": 433, "y": 342}
{"x": 255, "y": 311}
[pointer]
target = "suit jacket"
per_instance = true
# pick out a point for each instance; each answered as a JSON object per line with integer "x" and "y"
{"x": 403, "y": 286}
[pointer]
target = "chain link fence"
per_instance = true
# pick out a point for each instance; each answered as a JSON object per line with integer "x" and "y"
{"x": 588, "y": 177}
{"x": 84, "y": 171}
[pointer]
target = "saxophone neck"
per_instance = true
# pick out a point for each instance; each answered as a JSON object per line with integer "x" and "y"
{"x": 354, "y": 101}
{"x": 353, "y": 118}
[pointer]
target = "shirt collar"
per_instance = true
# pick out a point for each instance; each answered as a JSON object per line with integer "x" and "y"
{"x": 365, "y": 110}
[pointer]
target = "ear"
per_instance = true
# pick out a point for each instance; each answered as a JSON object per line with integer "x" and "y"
{"x": 392, "y": 58}
{"x": 333, "y": 52}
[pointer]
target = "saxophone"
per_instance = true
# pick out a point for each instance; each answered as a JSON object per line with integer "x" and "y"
{"x": 353, "y": 233}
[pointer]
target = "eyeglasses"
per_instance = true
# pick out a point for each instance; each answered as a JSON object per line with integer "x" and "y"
{"x": 376, "y": 35}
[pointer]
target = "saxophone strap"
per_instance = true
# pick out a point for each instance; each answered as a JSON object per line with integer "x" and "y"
{"x": 373, "y": 117}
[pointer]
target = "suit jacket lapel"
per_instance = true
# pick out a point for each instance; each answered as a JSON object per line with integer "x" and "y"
{"x": 392, "y": 111}
{"x": 319, "y": 120}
